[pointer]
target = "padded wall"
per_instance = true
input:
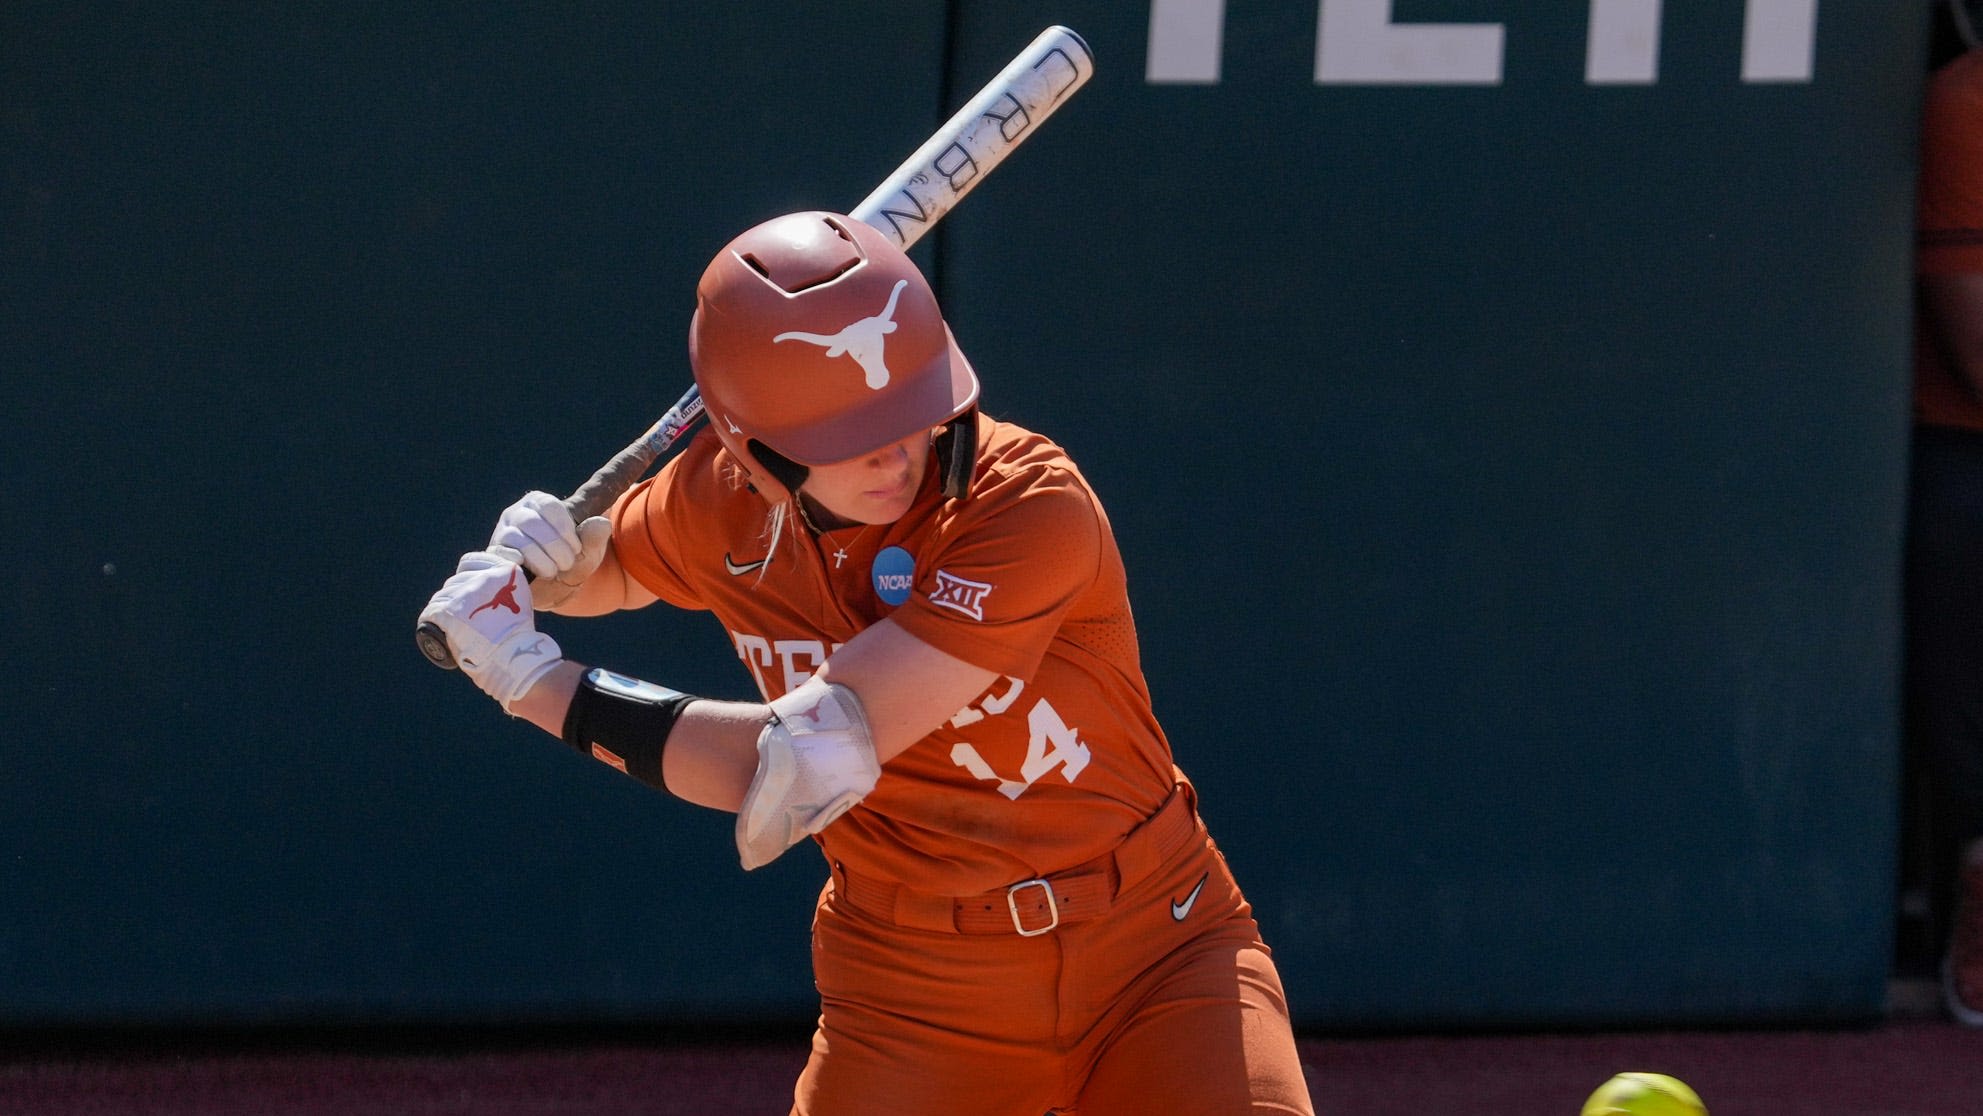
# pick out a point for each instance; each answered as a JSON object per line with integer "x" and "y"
{"x": 1508, "y": 464}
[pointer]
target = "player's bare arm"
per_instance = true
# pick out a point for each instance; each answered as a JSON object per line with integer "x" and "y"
{"x": 787, "y": 768}
{"x": 906, "y": 687}
{"x": 607, "y": 589}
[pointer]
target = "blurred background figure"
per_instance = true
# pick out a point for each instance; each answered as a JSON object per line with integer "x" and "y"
{"x": 1944, "y": 574}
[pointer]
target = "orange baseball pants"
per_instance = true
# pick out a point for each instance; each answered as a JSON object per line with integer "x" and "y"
{"x": 1165, "y": 1001}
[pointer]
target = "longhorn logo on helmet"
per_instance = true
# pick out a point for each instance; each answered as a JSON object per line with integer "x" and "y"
{"x": 862, "y": 340}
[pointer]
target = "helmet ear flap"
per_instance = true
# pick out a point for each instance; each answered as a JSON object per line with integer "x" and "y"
{"x": 783, "y": 469}
{"x": 957, "y": 452}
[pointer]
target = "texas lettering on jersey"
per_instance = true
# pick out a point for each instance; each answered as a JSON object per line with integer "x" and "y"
{"x": 779, "y": 666}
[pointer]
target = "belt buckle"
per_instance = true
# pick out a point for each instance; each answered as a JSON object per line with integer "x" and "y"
{"x": 1012, "y": 904}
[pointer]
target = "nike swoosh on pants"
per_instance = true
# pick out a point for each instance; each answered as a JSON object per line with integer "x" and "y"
{"x": 1180, "y": 910}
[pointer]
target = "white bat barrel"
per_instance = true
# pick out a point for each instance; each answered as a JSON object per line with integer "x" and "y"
{"x": 979, "y": 136}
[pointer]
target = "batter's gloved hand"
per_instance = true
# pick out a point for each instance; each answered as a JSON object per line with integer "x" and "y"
{"x": 539, "y": 531}
{"x": 485, "y": 611}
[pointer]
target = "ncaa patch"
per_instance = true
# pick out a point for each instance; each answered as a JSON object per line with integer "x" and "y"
{"x": 894, "y": 573}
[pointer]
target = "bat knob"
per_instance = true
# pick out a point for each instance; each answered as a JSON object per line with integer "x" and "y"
{"x": 433, "y": 643}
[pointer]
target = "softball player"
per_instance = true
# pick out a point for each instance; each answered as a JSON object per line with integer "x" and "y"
{"x": 1024, "y": 912}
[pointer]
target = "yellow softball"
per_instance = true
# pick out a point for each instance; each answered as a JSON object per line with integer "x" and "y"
{"x": 1644, "y": 1094}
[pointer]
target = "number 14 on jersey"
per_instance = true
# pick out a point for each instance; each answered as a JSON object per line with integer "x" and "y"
{"x": 1050, "y": 743}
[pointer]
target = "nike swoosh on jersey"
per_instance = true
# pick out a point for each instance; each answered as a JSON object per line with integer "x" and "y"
{"x": 736, "y": 570}
{"x": 1180, "y": 910}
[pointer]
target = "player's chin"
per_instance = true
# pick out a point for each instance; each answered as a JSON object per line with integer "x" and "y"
{"x": 887, "y": 511}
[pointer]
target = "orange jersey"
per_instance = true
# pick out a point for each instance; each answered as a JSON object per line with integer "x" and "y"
{"x": 1949, "y": 223}
{"x": 1052, "y": 764}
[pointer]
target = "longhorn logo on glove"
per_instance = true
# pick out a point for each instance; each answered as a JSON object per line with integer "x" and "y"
{"x": 504, "y": 598}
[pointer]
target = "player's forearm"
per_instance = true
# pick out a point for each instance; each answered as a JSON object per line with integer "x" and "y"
{"x": 708, "y": 757}
{"x": 712, "y": 752}
{"x": 608, "y": 589}
{"x": 787, "y": 768}
{"x": 550, "y": 699}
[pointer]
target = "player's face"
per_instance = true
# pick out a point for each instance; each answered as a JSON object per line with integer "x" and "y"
{"x": 874, "y": 488}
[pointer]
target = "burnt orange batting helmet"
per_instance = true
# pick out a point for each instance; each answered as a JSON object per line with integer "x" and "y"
{"x": 815, "y": 340}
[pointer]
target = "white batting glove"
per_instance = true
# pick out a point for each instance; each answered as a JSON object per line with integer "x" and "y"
{"x": 539, "y": 530}
{"x": 485, "y": 611}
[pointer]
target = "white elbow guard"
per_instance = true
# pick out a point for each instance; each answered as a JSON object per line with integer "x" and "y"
{"x": 815, "y": 760}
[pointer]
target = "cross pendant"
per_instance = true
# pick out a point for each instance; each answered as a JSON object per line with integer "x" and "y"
{"x": 839, "y": 556}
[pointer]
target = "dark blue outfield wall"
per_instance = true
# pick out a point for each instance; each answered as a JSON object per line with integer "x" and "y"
{"x": 1503, "y": 416}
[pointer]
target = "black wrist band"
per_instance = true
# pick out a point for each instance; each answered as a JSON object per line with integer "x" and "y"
{"x": 623, "y": 722}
